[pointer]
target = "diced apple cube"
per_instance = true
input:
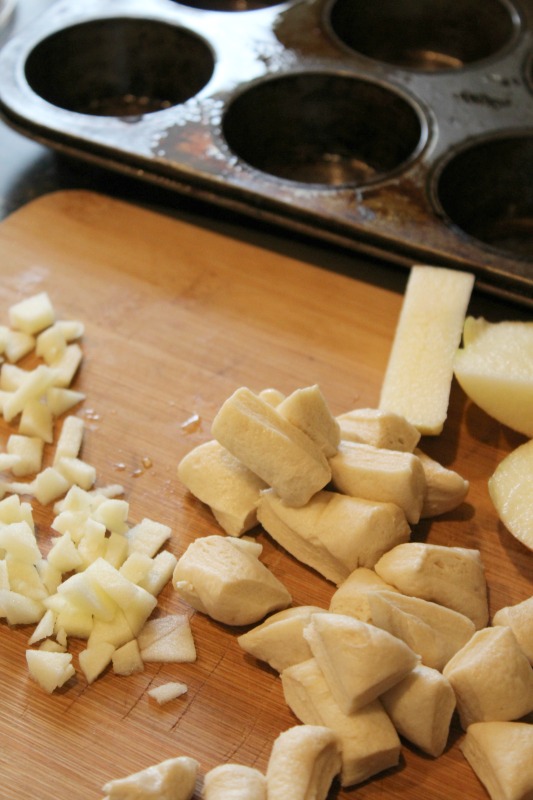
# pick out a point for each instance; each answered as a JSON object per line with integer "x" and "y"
{"x": 51, "y": 646}
{"x": 36, "y": 420}
{"x": 65, "y": 367}
{"x": 148, "y": 536}
{"x": 163, "y": 565}
{"x": 60, "y": 399}
{"x": 116, "y": 549}
{"x": 64, "y": 555}
{"x": 127, "y": 659}
{"x": 50, "y": 670}
{"x": 29, "y": 452}
{"x": 50, "y": 576}
{"x": 113, "y": 513}
{"x": 95, "y": 659}
{"x": 74, "y": 621}
{"x": 19, "y": 609}
{"x": 18, "y": 539}
{"x": 76, "y": 471}
{"x": 167, "y": 639}
{"x": 51, "y": 344}
{"x": 116, "y": 631}
{"x": 12, "y": 509}
{"x": 18, "y": 345}
{"x": 11, "y": 377}
{"x": 34, "y": 386}
{"x": 25, "y": 579}
{"x": 167, "y": 691}
{"x": 32, "y": 314}
{"x": 136, "y": 567}
{"x": 88, "y": 596}
{"x": 44, "y": 628}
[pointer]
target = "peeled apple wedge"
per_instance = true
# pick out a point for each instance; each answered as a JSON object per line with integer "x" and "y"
{"x": 222, "y": 577}
{"x": 303, "y": 762}
{"x": 495, "y": 369}
{"x": 510, "y": 491}
{"x": 501, "y": 755}
{"x": 419, "y": 372}
{"x": 368, "y": 739}
{"x": 451, "y": 576}
{"x": 277, "y": 451}
{"x": 334, "y": 533}
{"x": 213, "y": 475}
{"x": 359, "y": 661}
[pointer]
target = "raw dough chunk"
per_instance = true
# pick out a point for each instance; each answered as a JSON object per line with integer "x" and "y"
{"x": 368, "y": 739}
{"x": 520, "y": 619}
{"x": 173, "y": 779}
{"x": 491, "y": 677}
{"x": 379, "y": 428}
{"x": 303, "y": 763}
{"x": 277, "y": 451}
{"x": 421, "y": 707}
{"x": 352, "y": 595}
{"x": 501, "y": 755}
{"x": 223, "y": 578}
{"x": 334, "y": 533}
{"x": 373, "y": 473}
{"x": 234, "y": 782}
{"x": 445, "y": 488}
{"x": 452, "y": 576}
{"x": 279, "y": 640}
{"x": 358, "y": 660}
{"x": 307, "y": 409}
{"x": 218, "y": 479}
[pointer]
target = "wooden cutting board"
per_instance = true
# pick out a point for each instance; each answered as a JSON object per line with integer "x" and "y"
{"x": 177, "y": 317}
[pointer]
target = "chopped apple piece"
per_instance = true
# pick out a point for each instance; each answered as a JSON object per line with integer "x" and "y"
{"x": 520, "y": 619}
{"x": 65, "y": 367}
{"x": 113, "y": 513}
{"x": 383, "y": 429}
{"x": 35, "y": 384}
{"x": 167, "y": 691}
{"x": 18, "y": 345}
{"x": 224, "y": 580}
{"x": 88, "y": 596}
{"x": 452, "y": 576}
{"x": 44, "y": 628}
{"x": 95, "y": 659}
{"x": 307, "y": 409}
{"x": 234, "y": 782}
{"x": 421, "y": 707}
{"x": 29, "y": 452}
{"x": 510, "y": 492}
{"x": 501, "y": 755}
{"x": 303, "y": 763}
{"x": 334, "y": 533}
{"x": 491, "y": 677}
{"x": 127, "y": 659}
{"x": 419, "y": 373}
{"x": 19, "y": 609}
{"x": 24, "y": 578}
{"x": 147, "y": 537}
{"x": 136, "y": 603}
{"x": 60, "y": 399}
{"x": 76, "y": 471}
{"x": 387, "y": 476}
{"x": 160, "y": 572}
{"x": 51, "y": 670}
{"x": 275, "y": 449}
{"x": 32, "y": 314}
{"x": 36, "y": 420}
{"x": 18, "y": 540}
{"x": 173, "y": 779}
{"x": 116, "y": 631}
{"x": 213, "y": 475}
{"x": 167, "y": 639}
{"x": 49, "y": 485}
{"x": 495, "y": 370}
{"x": 359, "y": 661}
{"x": 279, "y": 640}
{"x": 63, "y": 555}
{"x": 368, "y": 739}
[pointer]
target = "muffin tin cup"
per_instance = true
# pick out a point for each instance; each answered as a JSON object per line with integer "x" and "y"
{"x": 403, "y": 129}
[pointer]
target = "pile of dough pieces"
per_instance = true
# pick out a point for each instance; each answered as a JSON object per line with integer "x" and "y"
{"x": 406, "y": 641}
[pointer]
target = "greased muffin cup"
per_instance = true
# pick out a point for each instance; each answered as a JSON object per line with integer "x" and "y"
{"x": 402, "y": 129}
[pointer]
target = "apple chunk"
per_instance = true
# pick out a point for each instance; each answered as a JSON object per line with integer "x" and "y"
{"x": 510, "y": 491}
{"x": 495, "y": 370}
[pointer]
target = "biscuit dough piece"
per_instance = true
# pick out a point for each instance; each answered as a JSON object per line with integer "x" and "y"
{"x": 433, "y": 631}
{"x": 387, "y": 476}
{"x": 379, "y": 428}
{"x": 520, "y": 619}
{"x": 501, "y": 755}
{"x": 221, "y": 481}
{"x": 451, "y": 576}
{"x": 352, "y": 595}
{"x": 221, "y": 576}
{"x": 275, "y": 449}
{"x": 234, "y": 782}
{"x": 491, "y": 677}
{"x": 303, "y": 763}
{"x": 445, "y": 488}
{"x": 369, "y": 742}
{"x": 308, "y": 410}
{"x": 279, "y": 640}
{"x": 173, "y": 779}
{"x": 358, "y": 660}
{"x": 421, "y": 707}
{"x": 334, "y": 533}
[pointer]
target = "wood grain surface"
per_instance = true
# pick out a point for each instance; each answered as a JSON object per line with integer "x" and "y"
{"x": 177, "y": 317}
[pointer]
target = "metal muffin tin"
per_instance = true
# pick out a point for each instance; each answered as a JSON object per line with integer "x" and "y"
{"x": 399, "y": 128}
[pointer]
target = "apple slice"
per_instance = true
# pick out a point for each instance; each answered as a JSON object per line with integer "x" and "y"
{"x": 495, "y": 370}
{"x": 510, "y": 491}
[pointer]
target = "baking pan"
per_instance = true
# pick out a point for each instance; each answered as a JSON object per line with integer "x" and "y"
{"x": 402, "y": 129}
